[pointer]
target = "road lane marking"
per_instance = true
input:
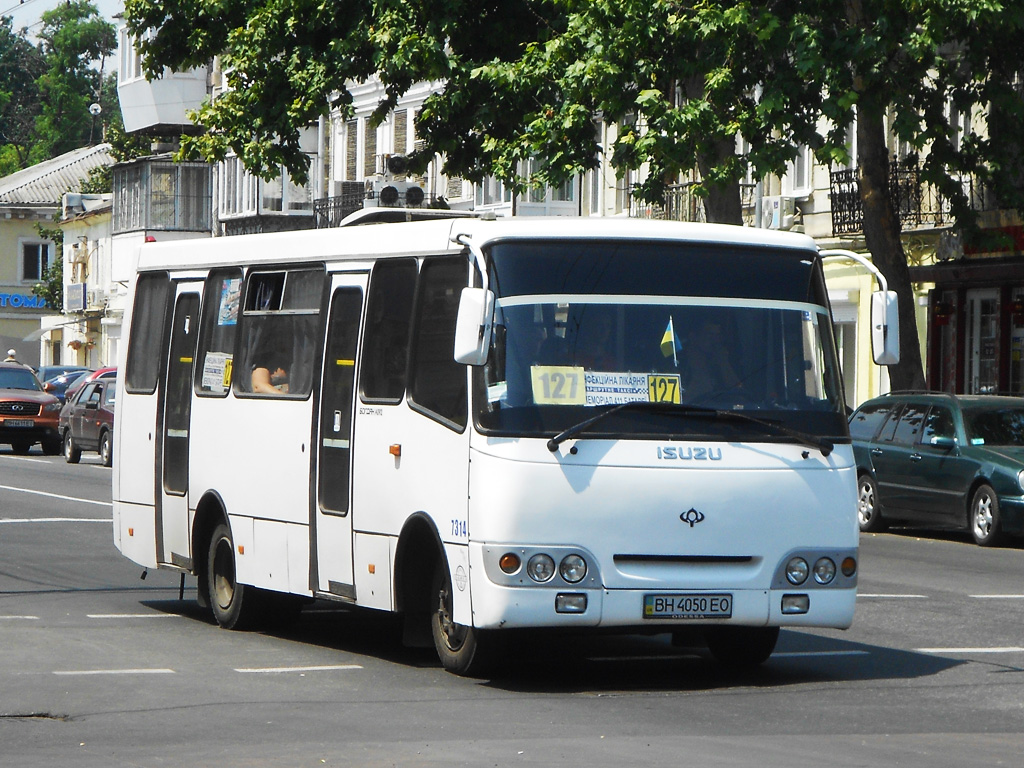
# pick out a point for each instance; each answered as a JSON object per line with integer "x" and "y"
{"x": 279, "y": 670}
{"x": 1007, "y": 649}
{"x": 79, "y": 672}
{"x": 106, "y": 520}
{"x": 133, "y": 615}
{"x": 888, "y": 597}
{"x": 55, "y": 495}
{"x": 998, "y": 597}
{"x": 19, "y": 618}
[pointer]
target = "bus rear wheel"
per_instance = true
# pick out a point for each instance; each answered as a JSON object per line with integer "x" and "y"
{"x": 463, "y": 650}
{"x": 741, "y": 647}
{"x": 234, "y": 605}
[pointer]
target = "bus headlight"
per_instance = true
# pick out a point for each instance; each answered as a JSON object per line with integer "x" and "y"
{"x": 573, "y": 568}
{"x": 796, "y": 570}
{"x": 541, "y": 568}
{"x": 824, "y": 570}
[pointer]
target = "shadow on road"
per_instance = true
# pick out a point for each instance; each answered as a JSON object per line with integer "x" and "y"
{"x": 603, "y": 663}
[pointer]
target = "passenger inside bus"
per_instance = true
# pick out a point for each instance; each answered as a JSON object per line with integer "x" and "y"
{"x": 269, "y": 374}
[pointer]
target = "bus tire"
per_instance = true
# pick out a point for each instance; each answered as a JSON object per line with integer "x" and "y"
{"x": 463, "y": 650}
{"x": 234, "y": 605}
{"x": 741, "y": 647}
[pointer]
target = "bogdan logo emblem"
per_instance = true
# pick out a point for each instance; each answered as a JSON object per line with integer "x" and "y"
{"x": 692, "y": 517}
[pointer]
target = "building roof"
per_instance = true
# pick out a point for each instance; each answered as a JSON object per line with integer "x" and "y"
{"x": 46, "y": 182}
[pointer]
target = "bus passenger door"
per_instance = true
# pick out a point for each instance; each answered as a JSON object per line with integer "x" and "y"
{"x": 331, "y": 540}
{"x": 172, "y": 508}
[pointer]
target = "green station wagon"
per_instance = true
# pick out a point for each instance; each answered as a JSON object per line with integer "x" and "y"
{"x": 941, "y": 460}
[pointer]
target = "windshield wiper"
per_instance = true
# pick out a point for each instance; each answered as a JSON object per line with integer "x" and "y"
{"x": 821, "y": 444}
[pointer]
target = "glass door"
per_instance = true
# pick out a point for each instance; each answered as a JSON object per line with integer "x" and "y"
{"x": 982, "y": 337}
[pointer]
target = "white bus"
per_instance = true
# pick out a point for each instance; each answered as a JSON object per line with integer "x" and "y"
{"x": 486, "y": 426}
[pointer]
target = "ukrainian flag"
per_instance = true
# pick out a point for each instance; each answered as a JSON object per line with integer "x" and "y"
{"x": 669, "y": 342}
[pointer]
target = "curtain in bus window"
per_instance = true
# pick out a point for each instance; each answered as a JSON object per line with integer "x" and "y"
{"x": 149, "y": 319}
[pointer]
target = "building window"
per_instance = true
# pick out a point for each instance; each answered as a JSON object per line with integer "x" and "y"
{"x": 35, "y": 259}
{"x": 162, "y": 196}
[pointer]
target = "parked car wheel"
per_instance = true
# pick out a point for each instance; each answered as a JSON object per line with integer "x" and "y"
{"x": 106, "y": 452}
{"x": 985, "y": 522}
{"x": 52, "y": 446}
{"x": 21, "y": 447}
{"x": 72, "y": 453}
{"x": 869, "y": 509}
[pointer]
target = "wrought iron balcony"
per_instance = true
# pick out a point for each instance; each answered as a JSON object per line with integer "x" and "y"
{"x": 917, "y": 204}
{"x": 682, "y": 204}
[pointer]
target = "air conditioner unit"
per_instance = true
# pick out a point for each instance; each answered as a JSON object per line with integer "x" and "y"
{"x": 395, "y": 194}
{"x": 95, "y": 297}
{"x": 392, "y": 166}
{"x": 778, "y": 212}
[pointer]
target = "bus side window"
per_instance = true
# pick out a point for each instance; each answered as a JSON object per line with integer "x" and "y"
{"x": 216, "y": 351}
{"x": 280, "y": 319}
{"x": 438, "y": 383}
{"x": 386, "y": 342}
{"x": 148, "y": 330}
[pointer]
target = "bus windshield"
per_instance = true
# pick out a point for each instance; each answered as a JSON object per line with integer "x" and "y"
{"x": 558, "y": 357}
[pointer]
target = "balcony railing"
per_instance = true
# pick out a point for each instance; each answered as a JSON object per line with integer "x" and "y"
{"x": 682, "y": 204}
{"x": 329, "y": 211}
{"x": 917, "y": 204}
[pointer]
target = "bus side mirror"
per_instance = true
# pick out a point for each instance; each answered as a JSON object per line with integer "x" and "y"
{"x": 473, "y": 326}
{"x": 885, "y": 328}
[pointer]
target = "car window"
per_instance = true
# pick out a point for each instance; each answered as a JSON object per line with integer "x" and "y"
{"x": 865, "y": 422}
{"x": 908, "y": 430}
{"x": 18, "y": 378}
{"x": 939, "y": 423}
{"x": 108, "y": 395}
{"x": 1003, "y": 426}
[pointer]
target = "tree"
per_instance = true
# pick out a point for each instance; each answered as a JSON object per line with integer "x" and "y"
{"x": 20, "y": 65}
{"x": 73, "y": 38}
{"x": 683, "y": 82}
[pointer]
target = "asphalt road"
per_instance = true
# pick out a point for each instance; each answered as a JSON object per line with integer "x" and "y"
{"x": 99, "y": 667}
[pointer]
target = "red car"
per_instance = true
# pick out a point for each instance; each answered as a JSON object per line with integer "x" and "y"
{"x": 87, "y": 421}
{"x": 28, "y": 415}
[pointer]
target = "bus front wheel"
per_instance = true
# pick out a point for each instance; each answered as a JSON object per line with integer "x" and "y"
{"x": 234, "y": 605}
{"x": 463, "y": 650}
{"x": 741, "y": 647}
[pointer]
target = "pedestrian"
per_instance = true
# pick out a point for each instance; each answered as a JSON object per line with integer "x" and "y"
{"x": 11, "y": 356}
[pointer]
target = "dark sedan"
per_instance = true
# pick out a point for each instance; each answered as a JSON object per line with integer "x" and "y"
{"x": 87, "y": 421}
{"x": 941, "y": 460}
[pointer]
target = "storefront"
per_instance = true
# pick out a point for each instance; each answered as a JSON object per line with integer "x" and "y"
{"x": 975, "y": 324}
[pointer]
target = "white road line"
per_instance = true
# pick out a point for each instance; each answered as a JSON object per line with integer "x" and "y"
{"x": 133, "y": 615}
{"x": 54, "y": 495}
{"x": 1007, "y": 649}
{"x": 19, "y": 618}
{"x": 106, "y": 520}
{"x": 998, "y": 597}
{"x": 279, "y": 670}
{"x": 72, "y": 672}
{"x": 891, "y": 597}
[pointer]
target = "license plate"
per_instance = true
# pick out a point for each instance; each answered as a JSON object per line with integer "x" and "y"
{"x": 691, "y": 606}
{"x": 19, "y": 423}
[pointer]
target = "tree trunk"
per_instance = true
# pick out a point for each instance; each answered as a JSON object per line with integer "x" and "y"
{"x": 723, "y": 204}
{"x": 882, "y": 234}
